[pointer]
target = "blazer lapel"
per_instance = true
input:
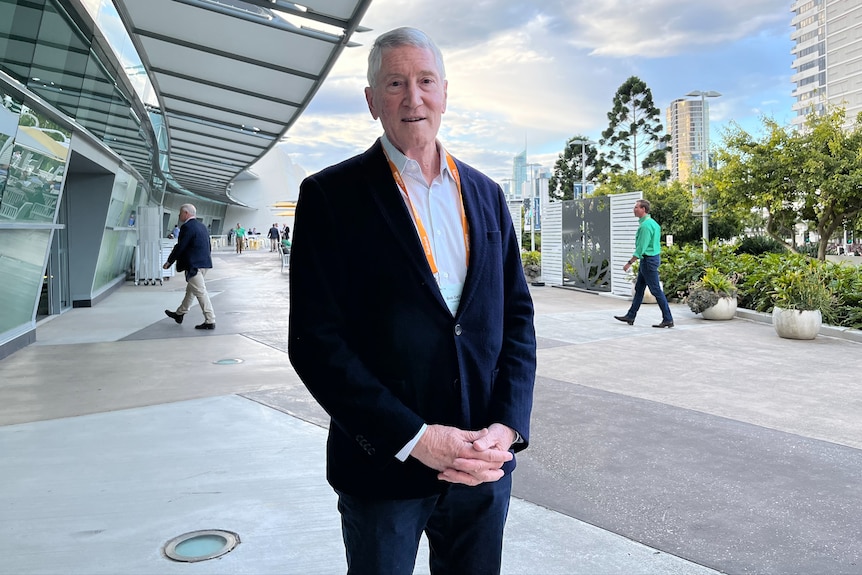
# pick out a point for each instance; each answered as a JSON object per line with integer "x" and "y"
{"x": 385, "y": 194}
{"x": 478, "y": 241}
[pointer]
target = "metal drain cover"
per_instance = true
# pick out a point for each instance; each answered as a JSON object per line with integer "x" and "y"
{"x": 201, "y": 545}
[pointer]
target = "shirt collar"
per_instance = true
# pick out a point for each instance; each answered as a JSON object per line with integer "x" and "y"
{"x": 401, "y": 161}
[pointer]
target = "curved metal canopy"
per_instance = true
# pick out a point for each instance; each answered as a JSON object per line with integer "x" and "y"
{"x": 232, "y": 76}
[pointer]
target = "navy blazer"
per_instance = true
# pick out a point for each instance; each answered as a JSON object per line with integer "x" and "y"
{"x": 193, "y": 249}
{"x": 371, "y": 336}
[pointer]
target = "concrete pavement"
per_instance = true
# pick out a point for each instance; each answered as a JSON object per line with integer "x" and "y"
{"x": 709, "y": 447}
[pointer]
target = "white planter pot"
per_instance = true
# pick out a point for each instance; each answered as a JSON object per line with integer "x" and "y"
{"x": 724, "y": 308}
{"x": 796, "y": 324}
{"x": 648, "y": 297}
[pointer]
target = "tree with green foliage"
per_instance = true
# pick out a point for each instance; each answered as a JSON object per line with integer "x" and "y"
{"x": 672, "y": 207}
{"x": 568, "y": 169}
{"x": 812, "y": 175}
{"x": 635, "y": 138}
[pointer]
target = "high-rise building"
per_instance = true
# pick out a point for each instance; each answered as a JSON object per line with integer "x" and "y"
{"x": 827, "y": 56}
{"x": 688, "y": 132}
{"x": 519, "y": 176}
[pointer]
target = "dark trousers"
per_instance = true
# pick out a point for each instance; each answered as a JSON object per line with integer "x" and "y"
{"x": 648, "y": 276}
{"x": 464, "y": 527}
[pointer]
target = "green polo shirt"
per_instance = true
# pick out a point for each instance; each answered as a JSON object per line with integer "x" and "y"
{"x": 647, "y": 238}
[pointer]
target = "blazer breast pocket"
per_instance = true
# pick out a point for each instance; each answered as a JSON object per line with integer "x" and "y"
{"x": 493, "y": 237}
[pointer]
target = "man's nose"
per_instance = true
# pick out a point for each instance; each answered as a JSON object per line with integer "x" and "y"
{"x": 413, "y": 96}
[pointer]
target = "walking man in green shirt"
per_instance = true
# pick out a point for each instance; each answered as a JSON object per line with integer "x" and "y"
{"x": 648, "y": 251}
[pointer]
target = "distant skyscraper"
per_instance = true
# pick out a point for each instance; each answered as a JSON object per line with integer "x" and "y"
{"x": 519, "y": 176}
{"x": 688, "y": 131}
{"x": 827, "y": 56}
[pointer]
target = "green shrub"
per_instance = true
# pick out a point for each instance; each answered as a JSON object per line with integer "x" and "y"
{"x": 805, "y": 288}
{"x": 531, "y": 258}
{"x": 532, "y": 264}
{"x": 683, "y": 265}
{"x": 705, "y": 293}
{"x": 758, "y": 278}
{"x": 756, "y": 245}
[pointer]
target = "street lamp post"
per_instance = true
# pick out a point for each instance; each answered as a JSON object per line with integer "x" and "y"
{"x": 704, "y": 158}
{"x": 583, "y": 144}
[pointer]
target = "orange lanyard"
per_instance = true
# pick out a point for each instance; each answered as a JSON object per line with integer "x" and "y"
{"x": 423, "y": 235}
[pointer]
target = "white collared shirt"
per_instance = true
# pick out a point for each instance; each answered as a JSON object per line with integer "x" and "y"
{"x": 439, "y": 208}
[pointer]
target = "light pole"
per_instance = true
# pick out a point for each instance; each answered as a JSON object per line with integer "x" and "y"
{"x": 583, "y": 144}
{"x": 704, "y": 158}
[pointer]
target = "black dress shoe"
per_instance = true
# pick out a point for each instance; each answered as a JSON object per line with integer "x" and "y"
{"x": 177, "y": 317}
{"x": 205, "y": 325}
{"x": 664, "y": 324}
{"x": 625, "y": 318}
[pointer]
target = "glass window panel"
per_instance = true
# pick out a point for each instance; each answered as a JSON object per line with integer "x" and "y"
{"x": 19, "y": 27}
{"x": 119, "y": 240}
{"x": 22, "y": 267}
{"x": 60, "y": 58}
{"x": 37, "y": 164}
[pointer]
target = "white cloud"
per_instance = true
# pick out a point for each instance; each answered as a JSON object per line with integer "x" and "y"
{"x": 660, "y": 28}
{"x": 537, "y": 73}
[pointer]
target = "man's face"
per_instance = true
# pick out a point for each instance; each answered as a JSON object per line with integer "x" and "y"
{"x": 409, "y": 98}
{"x": 184, "y": 215}
{"x": 639, "y": 211}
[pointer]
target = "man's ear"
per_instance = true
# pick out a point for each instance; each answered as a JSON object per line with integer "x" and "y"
{"x": 369, "y": 98}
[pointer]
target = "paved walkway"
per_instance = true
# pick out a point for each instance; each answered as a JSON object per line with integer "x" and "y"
{"x": 710, "y": 447}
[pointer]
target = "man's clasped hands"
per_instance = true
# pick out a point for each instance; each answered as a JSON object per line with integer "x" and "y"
{"x": 466, "y": 457}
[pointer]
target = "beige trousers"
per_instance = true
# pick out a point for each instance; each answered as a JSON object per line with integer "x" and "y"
{"x": 196, "y": 288}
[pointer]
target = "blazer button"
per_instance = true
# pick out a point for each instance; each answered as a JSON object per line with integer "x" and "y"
{"x": 458, "y": 329}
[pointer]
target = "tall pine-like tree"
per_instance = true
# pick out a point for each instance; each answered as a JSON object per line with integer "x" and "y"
{"x": 635, "y": 139}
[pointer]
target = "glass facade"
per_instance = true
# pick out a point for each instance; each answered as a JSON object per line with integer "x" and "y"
{"x": 61, "y": 83}
{"x": 54, "y": 55}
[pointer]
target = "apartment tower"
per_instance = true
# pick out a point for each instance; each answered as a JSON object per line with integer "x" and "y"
{"x": 688, "y": 132}
{"x": 827, "y": 56}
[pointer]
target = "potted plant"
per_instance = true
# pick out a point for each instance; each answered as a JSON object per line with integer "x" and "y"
{"x": 532, "y": 263}
{"x": 713, "y": 295}
{"x": 800, "y": 299}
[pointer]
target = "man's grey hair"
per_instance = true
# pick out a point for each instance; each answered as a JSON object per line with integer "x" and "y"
{"x": 395, "y": 39}
{"x": 644, "y": 204}
{"x": 188, "y": 208}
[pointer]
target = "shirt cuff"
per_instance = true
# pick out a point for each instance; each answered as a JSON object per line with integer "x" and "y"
{"x": 405, "y": 451}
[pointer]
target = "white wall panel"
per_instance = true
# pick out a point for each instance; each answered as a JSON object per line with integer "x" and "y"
{"x": 624, "y": 225}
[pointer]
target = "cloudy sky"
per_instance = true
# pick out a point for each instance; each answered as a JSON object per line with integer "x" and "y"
{"x": 536, "y": 72}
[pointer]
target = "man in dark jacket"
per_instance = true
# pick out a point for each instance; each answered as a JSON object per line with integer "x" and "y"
{"x": 192, "y": 254}
{"x": 273, "y": 236}
{"x": 423, "y": 352}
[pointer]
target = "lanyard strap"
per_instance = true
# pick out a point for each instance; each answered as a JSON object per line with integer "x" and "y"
{"x": 420, "y": 227}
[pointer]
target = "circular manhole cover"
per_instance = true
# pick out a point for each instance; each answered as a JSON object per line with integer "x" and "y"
{"x": 201, "y": 545}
